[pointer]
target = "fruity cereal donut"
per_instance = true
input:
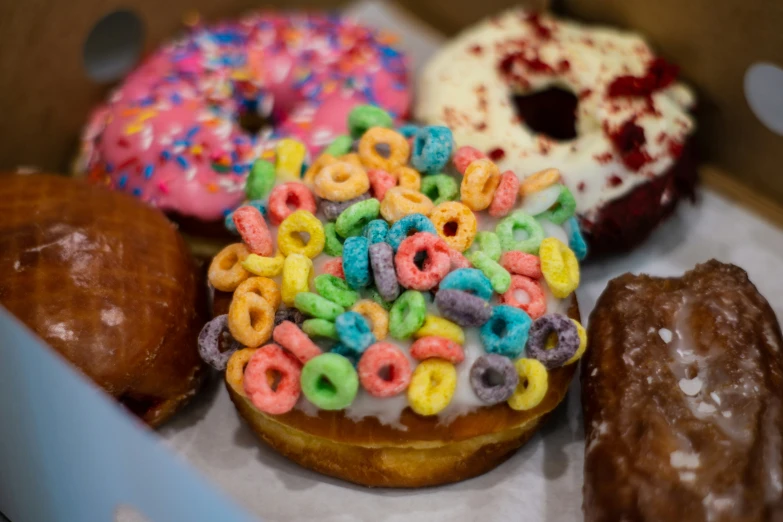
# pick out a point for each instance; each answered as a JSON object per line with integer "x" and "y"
{"x": 184, "y": 130}
{"x": 534, "y": 92}
{"x": 405, "y": 349}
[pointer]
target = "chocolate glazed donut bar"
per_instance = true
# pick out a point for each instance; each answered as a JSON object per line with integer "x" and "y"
{"x": 682, "y": 398}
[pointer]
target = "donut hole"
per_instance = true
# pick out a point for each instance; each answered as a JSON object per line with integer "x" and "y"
{"x": 499, "y": 328}
{"x": 383, "y": 149}
{"x": 493, "y": 378}
{"x": 325, "y": 386}
{"x": 386, "y": 373}
{"x": 273, "y": 378}
{"x": 551, "y": 112}
{"x": 253, "y": 119}
{"x": 450, "y": 229}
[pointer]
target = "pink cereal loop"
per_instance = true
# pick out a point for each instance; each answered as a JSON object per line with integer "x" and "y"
{"x": 458, "y": 260}
{"x": 505, "y": 195}
{"x": 440, "y": 347}
{"x": 272, "y": 358}
{"x": 384, "y": 357}
{"x": 380, "y": 182}
{"x": 252, "y": 227}
{"x": 293, "y": 339}
{"x": 465, "y": 156}
{"x": 435, "y": 267}
{"x": 521, "y": 263}
{"x": 291, "y": 194}
{"x": 334, "y": 267}
{"x": 536, "y": 306}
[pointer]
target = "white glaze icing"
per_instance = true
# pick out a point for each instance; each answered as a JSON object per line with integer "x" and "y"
{"x": 462, "y": 87}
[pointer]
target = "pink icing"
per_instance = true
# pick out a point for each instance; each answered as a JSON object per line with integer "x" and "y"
{"x": 170, "y": 134}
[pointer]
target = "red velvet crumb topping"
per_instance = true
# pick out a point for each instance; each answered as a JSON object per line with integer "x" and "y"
{"x": 660, "y": 74}
{"x": 534, "y": 19}
{"x": 629, "y": 141}
{"x": 496, "y": 154}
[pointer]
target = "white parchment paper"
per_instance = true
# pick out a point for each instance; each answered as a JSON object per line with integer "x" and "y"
{"x": 543, "y": 481}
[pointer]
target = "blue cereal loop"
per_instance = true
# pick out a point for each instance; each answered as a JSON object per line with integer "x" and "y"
{"x": 432, "y": 148}
{"x": 576, "y": 240}
{"x": 230, "y": 225}
{"x": 409, "y": 130}
{"x": 469, "y": 280}
{"x": 356, "y": 261}
{"x": 354, "y": 331}
{"x": 506, "y": 331}
{"x": 348, "y": 353}
{"x": 376, "y": 231}
{"x": 410, "y": 223}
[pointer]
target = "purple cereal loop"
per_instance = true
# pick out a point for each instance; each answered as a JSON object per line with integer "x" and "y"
{"x": 209, "y": 341}
{"x": 382, "y": 262}
{"x": 463, "y": 308}
{"x": 493, "y": 378}
{"x": 332, "y": 209}
{"x": 289, "y": 314}
{"x": 567, "y": 340}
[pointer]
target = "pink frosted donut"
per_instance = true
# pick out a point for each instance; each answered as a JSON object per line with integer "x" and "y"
{"x": 171, "y": 133}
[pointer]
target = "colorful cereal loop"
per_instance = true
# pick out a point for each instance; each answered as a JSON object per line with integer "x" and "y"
{"x": 455, "y": 223}
{"x": 226, "y": 271}
{"x": 532, "y": 387}
{"x": 432, "y": 386}
{"x": 479, "y": 183}
{"x": 289, "y": 235}
{"x": 281, "y": 399}
{"x": 384, "y": 371}
{"x": 296, "y": 277}
{"x": 329, "y": 381}
{"x": 559, "y": 266}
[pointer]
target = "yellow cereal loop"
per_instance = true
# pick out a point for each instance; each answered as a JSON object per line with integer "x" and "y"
{"x": 432, "y": 386}
{"x": 377, "y": 137}
{"x": 297, "y": 269}
{"x": 532, "y": 387}
{"x": 322, "y": 161}
{"x": 290, "y": 156}
{"x": 455, "y": 223}
{"x": 559, "y": 266}
{"x": 582, "y": 343}
{"x": 376, "y": 315}
{"x": 264, "y": 266}
{"x": 538, "y": 181}
{"x": 250, "y": 319}
{"x": 235, "y": 369}
{"x": 440, "y": 327}
{"x": 400, "y": 202}
{"x": 301, "y": 233}
{"x": 262, "y": 286}
{"x": 341, "y": 181}
{"x": 479, "y": 182}
{"x": 226, "y": 271}
{"x": 407, "y": 178}
{"x": 351, "y": 158}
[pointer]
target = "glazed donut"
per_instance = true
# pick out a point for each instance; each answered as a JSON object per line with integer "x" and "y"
{"x": 443, "y": 371}
{"x": 171, "y": 133}
{"x": 531, "y": 92}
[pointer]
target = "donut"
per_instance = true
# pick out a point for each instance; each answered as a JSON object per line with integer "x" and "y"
{"x": 181, "y": 132}
{"x": 388, "y": 385}
{"x": 531, "y": 91}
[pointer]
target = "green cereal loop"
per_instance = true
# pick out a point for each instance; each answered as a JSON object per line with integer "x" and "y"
{"x": 260, "y": 180}
{"x": 520, "y": 220}
{"x": 329, "y": 381}
{"x": 440, "y": 188}
{"x": 340, "y": 146}
{"x": 564, "y": 208}
{"x": 333, "y": 245}
{"x": 352, "y": 220}
{"x": 364, "y": 117}
{"x": 317, "y": 306}
{"x": 407, "y": 314}
{"x": 376, "y": 296}
{"x": 320, "y": 328}
{"x": 336, "y": 290}
{"x": 489, "y": 243}
{"x": 498, "y": 276}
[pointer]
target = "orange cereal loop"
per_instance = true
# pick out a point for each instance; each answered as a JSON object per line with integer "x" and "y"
{"x": 398, "y": 149}
{"x": 408, "y": 178}
{"x": 479, "y": 183}
{"x": 225, "y": 271}
{"x": 262, "y": 286}
{"x": 538, "y": 181}
{"x": 322, "y": 161}
{"x": 399, "y": 202}
{"x": 235, "y": 369}
{"x": 250, "y": 319}
{"x": 376, "y": 315}
{"x": 351, "y": 158}
{"x": 455, "y": 223}
{"x": 341, "y": 181}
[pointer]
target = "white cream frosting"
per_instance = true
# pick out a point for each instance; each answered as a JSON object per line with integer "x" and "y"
{"x": 463, "y": 87}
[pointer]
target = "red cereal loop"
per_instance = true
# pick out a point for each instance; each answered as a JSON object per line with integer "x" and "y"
{"x": 440, "y": 347}
{"x": 505, "y": 195}
{"x": 287, "y": 198}
{"x": 384, "y": 371}
{"x": 293, "y": 339}
{"x": 536, "y": 305}
{"x": 266, "y": 360}
{"x": 465, "y": 156}
{"x": 521, "y": 263}
{"x": 334, "y": 267}
{"x": 458, "y": 260}
{"x": 380, "y": 182}
{"x": 252, "y": 227}
{"x": 434, "y": 267}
